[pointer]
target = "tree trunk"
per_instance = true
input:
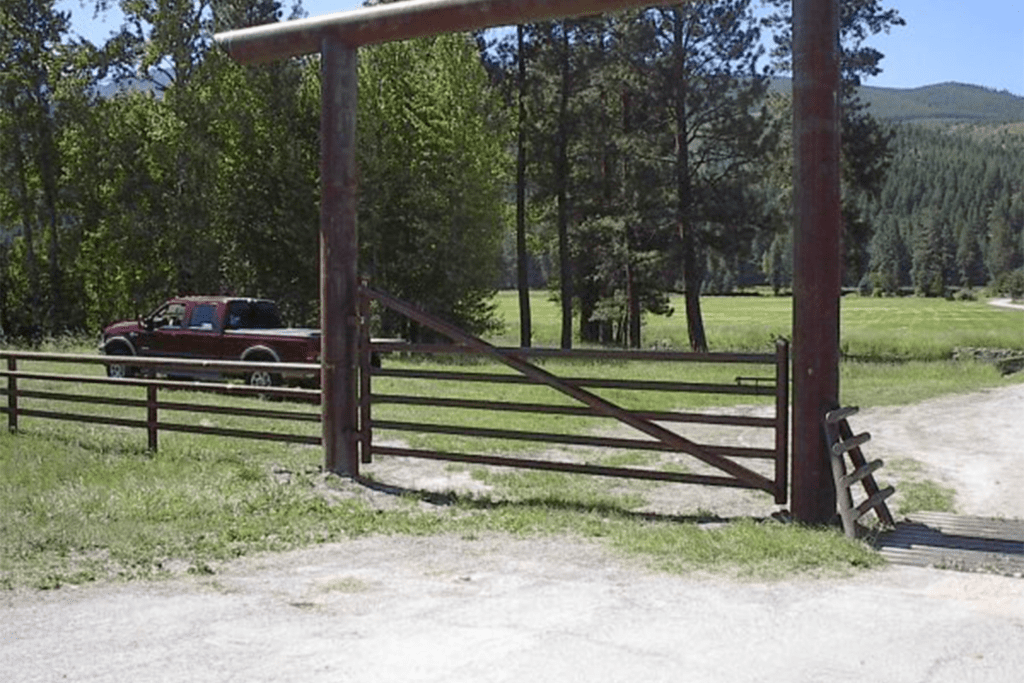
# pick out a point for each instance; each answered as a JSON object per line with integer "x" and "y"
{"x": 522, "y": 265}
{"x": 27, "y": 222}
{"x": 693, "y": 277}
{"x": 48, "y": 169}
{"x": 692, "y": 272}
{"x": 562, "y": 180}
{"x": 632, "y": 307}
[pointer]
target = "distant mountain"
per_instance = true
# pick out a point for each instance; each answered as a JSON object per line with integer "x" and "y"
{"x": 941, "y": 104}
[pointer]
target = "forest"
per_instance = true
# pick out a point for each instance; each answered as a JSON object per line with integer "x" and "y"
{"x": 614, "y": 160}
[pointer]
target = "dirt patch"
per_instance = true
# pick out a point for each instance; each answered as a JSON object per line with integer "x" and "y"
{"x": 973, "y": 444}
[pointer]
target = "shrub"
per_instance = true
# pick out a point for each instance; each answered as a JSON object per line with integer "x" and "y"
{"x": 965, "y": 294}
{"x": 1011, "y": 284}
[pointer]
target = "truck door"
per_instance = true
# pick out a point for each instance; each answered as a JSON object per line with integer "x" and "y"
{"x": 163, "y": 330}
{"x": 202, "y": 335}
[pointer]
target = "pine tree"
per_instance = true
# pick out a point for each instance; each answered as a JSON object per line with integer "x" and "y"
{"x": 928, "y": 258}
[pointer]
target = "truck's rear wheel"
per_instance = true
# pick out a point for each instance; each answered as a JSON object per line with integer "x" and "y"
{"x": 262, "y": 378}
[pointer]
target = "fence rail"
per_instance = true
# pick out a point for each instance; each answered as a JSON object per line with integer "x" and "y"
{"x": 152, "y": 404}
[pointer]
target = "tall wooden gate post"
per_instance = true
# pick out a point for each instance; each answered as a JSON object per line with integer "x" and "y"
{"x": 339, "y": 284}
{"x": 816, "y": 253}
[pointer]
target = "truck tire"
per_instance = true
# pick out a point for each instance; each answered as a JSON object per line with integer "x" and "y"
{"x": 262, "y": 378}
{"x": 120, "y": 370}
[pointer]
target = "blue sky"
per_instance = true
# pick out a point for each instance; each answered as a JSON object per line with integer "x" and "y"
{"x": 979, "y": 42}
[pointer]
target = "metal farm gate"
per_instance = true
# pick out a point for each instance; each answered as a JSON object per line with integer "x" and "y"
{"x": 654, "y": 434}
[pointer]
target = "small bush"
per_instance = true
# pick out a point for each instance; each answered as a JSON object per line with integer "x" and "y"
{"x": 965, "y": 294}
{"x": 1011, "y": 284}
{"x": 926, "y": 495}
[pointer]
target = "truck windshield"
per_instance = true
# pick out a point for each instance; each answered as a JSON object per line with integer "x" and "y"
{"x": 253, "y": 315}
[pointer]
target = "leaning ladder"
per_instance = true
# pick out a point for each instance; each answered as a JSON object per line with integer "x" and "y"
{"x": 841, "y": 443}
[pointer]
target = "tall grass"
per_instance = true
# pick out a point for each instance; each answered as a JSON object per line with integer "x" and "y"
{"x": 97, "y": 507}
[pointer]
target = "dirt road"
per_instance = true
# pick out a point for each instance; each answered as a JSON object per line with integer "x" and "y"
{"x": 496, "y": 609}
{"x": 972, "y": 443}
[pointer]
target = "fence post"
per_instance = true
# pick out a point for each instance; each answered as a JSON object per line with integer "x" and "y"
{"x": 12, "y": 395}
{"x": 365, "y": 370}
{"x": 817, "y": 270}
{"x": 339, "y": 256}
{"x": 781, "y": 420}
{"x": 151, "y": 416}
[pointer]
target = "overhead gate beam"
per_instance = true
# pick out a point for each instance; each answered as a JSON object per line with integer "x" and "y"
{"x": 401, "y": 21}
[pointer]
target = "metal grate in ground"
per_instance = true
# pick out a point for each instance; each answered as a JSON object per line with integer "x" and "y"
{"x": 948, "y": 541}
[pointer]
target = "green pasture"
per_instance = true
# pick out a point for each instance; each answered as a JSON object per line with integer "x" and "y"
{"x": 895, "y": 350}
{"x": 85, "y": 502}
{"x": 871, "y": 329}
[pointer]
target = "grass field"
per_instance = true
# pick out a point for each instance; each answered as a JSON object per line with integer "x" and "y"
{"x": 872, "y": 329}
{"x": 83, "y": 503}
{"x": 896, "y": 350}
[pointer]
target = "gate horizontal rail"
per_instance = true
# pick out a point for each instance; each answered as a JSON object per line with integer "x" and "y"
{"x": 566, "y": 439}
{"x": 570, "y": 467}
{"x": 576, "y": 411}
{"x": 607, "y": 355}
{"x": 587, "y": 382}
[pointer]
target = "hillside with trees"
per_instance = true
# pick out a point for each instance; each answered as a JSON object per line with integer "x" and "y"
{"x": 951, "y": 212}
{"x": 938, "y": 105}
{"x": 615, "y": 160}
{"x": 948, "y": 212}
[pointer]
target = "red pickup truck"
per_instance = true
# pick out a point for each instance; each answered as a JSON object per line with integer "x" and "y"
{"x": 212, "y": 327}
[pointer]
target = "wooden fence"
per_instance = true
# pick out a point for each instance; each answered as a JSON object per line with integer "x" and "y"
{"x": 155, "y": 405}
{"x": 34, "y": 393}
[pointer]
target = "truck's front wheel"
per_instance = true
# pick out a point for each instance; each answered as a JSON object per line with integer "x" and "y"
{"x": 119, "y": 370}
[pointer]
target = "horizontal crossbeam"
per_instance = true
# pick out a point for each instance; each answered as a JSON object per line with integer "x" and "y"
{"x": 400, "y": 21}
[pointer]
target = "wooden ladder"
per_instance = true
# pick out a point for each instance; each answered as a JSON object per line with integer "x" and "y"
{"x": 841, "y": 441}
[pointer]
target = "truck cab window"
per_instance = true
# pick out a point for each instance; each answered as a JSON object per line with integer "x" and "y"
{"x": 169, "y": 316}
{"x": 266, "y": 316}
{"x": 203, "y": 317}
{"x": 252, "y": 315}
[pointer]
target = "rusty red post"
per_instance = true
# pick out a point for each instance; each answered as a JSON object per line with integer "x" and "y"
{"x": 152, "y": 417}
{"x": 816, "y": 252}
{"x": 12, "y": 395}
{"x": 339, "y": 284}
{"x": 781, "y": 421}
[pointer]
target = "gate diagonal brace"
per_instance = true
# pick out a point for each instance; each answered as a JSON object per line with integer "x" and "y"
{"x": 598, "y": 404}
